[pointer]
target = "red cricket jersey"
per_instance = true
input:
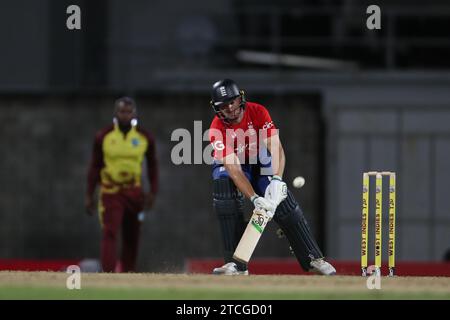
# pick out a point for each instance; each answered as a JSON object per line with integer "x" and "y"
{"x": 243, "y": 138}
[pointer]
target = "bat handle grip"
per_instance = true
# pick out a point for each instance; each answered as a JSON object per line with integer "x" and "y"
{"x": 269, "y": 214}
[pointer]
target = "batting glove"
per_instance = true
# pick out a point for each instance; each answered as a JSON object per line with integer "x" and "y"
{"x": 261, "y": 203}
{"x": 276, "y": 191}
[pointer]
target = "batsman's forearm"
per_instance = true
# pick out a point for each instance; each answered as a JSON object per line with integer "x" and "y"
{"x": 278, "y": 157}
{"x": 240, "y": 180}
{"x": 282, "y": 163}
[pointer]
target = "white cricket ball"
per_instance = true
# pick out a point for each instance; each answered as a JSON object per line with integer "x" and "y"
{"x": 298, "y": 182}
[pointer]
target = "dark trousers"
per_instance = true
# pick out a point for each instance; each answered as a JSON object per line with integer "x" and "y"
{"x": 119, "y": 213}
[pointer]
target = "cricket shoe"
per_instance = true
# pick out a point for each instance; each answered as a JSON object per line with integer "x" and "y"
{"x": 229, "y": 269}
{"x": 320, "y": 266}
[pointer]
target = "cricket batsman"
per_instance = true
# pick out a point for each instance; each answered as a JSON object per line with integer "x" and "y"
{"x": 117, "y": 165}
{"x": 249, "y": 163}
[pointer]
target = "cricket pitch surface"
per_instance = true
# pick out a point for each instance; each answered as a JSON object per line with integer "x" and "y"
{"x": 157, "y": 286}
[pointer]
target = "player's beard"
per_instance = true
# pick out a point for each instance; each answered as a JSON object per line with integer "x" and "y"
{"x": 124, "y": 126}
{"x": 235, "y": 117}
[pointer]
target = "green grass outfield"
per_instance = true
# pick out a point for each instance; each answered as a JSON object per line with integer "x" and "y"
{"x": 52, "y": 285}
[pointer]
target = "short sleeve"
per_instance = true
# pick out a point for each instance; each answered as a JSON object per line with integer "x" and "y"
{"x": 265, "y": 122}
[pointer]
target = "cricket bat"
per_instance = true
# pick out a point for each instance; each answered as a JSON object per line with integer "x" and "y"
{"x": 251, "y": 236}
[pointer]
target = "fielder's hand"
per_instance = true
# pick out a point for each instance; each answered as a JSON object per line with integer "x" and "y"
{"x": 89, "y": 205}
{"x": 276, "y": 191}
{"x": 261, "y": 203}
{"x": 149, "y": 200}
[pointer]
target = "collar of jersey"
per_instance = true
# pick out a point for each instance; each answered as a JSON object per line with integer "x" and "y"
{"x": 117, "y": 129}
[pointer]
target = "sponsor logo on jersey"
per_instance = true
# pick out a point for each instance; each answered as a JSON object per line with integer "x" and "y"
{"x": 218, "y": 145}
{"x": 268, "y": 125}
{"x": 135, "y": 142}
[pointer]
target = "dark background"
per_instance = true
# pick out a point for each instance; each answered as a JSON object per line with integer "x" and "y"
{"x": 383, "y": 105}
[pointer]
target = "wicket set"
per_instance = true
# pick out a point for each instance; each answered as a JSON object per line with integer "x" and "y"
{"x": 378, "y": 221}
